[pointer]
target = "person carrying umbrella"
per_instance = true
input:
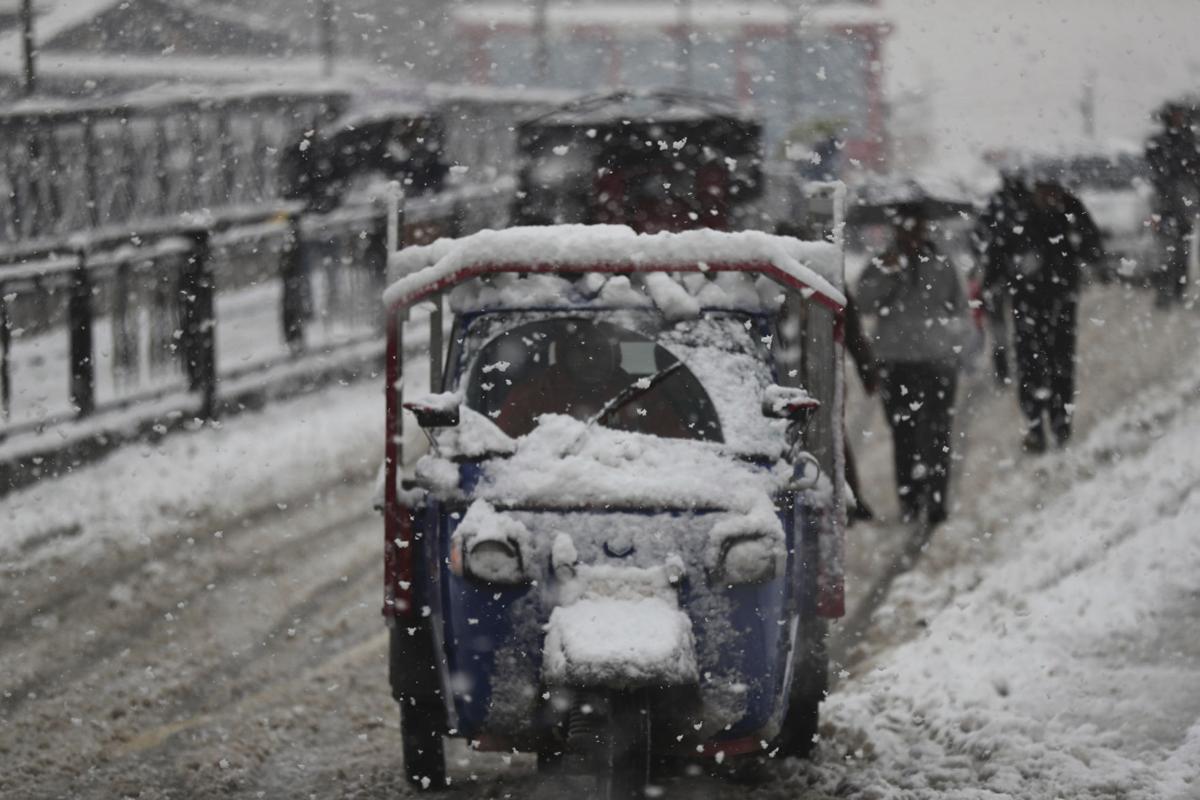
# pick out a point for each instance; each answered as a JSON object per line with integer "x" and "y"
{"x": 1032, "y": 264}
{"x": 917, "y": 298}
{"x": 1173, "y": 159}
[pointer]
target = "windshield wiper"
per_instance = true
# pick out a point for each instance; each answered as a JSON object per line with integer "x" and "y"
{"x": 632, "y": 392}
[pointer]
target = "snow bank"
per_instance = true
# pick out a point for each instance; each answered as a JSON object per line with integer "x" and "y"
{"x": 186, "y": 481}
{"x": 1065, "y": 670}
{"x": 816, "y": 265}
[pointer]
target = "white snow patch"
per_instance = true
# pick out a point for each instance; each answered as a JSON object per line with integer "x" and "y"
{"x": 1063, "y": 670}
{"x": 619, "y": 626}
{"x": 564, "y": 462}
{"x": 817, "y": 265}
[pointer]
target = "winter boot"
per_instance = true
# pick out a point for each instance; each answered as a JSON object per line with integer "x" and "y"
{"x": 1035, "y": 439}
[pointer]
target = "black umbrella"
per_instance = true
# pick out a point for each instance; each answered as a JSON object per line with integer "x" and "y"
{"x": 884, "y": 202}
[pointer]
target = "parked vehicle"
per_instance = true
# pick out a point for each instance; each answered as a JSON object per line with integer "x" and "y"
{"x": 623, "y": 538}
{"x": 360, "y": 150}
{"x": 659, "y": 160}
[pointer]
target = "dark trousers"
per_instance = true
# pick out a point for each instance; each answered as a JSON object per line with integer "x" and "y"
{"x": 1044, "y": 339}
{"x": 918, "y": 399}
{"x": 1172, "y": 276}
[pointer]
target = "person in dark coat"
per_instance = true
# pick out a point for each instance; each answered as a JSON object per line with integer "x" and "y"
{"x": 1173, "y": 160}
{"x": 916, "y": 295}
{"x": 1032, "y": 264}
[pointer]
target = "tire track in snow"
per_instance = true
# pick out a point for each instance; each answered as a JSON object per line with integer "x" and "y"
{"x": 216, "y": 569}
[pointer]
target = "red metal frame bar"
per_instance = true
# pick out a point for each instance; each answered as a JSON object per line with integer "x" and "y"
{"x": 467, "y": 273}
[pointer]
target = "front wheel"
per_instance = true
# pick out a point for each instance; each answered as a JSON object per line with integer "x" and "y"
{"x": 810, "y": 680}
{"x": 609, "y": 737}
{"x": 414, "y": 677}
{"x": 424, "y": 749}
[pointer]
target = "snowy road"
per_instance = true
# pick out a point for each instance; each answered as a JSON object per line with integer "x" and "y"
{"x": 200, "y": 617}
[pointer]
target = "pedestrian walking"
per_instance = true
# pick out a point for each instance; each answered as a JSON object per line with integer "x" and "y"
{"x": 915, "y": 294}
{"x": 1033, "y": 255}
{"x": 1173, "y": 159}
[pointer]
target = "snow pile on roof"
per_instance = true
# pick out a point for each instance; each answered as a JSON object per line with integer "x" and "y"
{"x": 565, "y": 463}
{"x": 416, "y": 270}
{"x": 676, "y": 298}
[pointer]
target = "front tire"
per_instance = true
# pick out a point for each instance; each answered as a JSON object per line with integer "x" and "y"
{"x": 424, "y": 748}
{"x": 414, "y": 676}
{"x": 810, "y": 681}
{"x": 611, "y": 739}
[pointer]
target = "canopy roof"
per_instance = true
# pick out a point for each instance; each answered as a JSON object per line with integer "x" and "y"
{"x": 814, "y": 268}
{"x": 648, "y": 105}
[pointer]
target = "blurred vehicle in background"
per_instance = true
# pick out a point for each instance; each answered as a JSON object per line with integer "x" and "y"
{"x": 361, "y": 149}
{"x": 655, "y": 161}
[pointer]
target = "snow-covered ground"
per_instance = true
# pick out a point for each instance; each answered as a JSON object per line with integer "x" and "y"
{"x": 1055, "y": 653}
{"x": 249, "y": 339}
{"x": 200, "y": 616}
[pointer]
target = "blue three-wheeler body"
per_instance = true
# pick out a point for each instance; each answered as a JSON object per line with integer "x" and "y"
{"x": 613, "y": 530}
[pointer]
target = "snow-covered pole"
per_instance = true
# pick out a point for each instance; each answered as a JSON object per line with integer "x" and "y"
{"x": 27, "y": 49}
{"x": 685, "y": 43}
{"x": 328, "y": 37}
{"x": 395, "y": 197}
{"x": 795, "y": 21}
{"x": 839, "y": 223}
{"x": 541, "y": 57}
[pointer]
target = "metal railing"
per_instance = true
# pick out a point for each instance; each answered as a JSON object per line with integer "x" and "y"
{"x": 70, "y": 167}
{"x": 179, "y": 314}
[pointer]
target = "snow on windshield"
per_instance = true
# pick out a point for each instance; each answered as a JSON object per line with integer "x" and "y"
{"x": 716, "y": 396}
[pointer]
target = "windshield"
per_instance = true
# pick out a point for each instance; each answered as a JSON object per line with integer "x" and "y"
{"x": 576, "y": 367}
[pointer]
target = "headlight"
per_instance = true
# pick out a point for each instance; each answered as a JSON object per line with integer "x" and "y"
{"x": 495, "y": 561}
{"x": 488, "y": 546}
{"x": 748, "y": 560}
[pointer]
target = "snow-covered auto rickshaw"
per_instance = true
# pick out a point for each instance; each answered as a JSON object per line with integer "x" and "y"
{"x": 616, "y": 535}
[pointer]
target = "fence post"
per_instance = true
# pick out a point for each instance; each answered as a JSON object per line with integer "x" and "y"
{"x": 79, "y": 323}
{"x": 295, "y": 300}
{"x": 91, "y": 172}
{"x": 458, "y": 222}
{"x": 377, "y": 254}
{"x": 197, "y": 319}
{"x": 5, "y": 344}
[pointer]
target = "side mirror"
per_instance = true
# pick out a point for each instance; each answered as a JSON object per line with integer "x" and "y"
{"x": 792, "y": 403}
{"x": 435, "y": 410}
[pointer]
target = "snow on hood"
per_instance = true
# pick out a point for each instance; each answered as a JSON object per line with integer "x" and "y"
{"x": 564, "y": 462}
{"x": 419, "y": 269}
